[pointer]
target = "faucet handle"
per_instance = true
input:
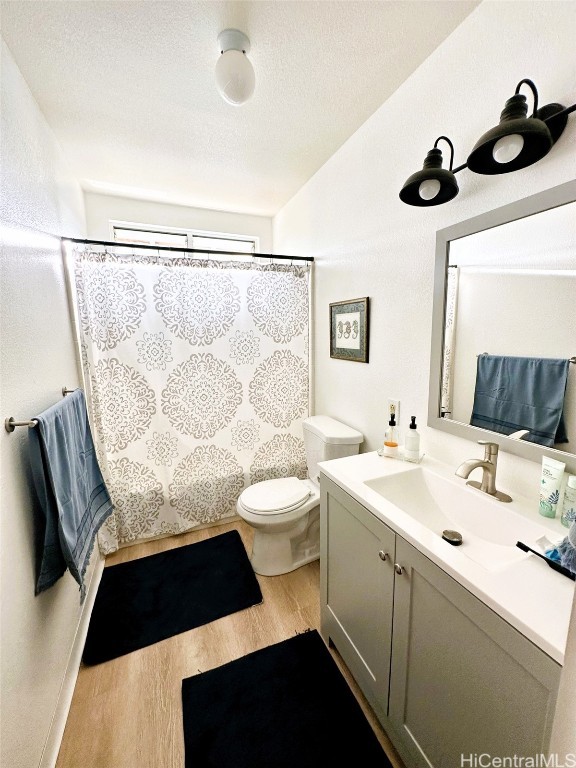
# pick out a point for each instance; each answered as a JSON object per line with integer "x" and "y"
{"x": 490, "y": 448}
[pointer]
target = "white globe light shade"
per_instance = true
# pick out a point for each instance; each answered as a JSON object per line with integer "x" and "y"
{"x": 508, "y": 148}
{"x": 235, "y": 77}
{"x": 429, "y": 189}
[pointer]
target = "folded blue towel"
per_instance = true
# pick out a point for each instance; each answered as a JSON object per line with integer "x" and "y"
{"x": 516, "y": 393}
{"x": 74, "y": 500}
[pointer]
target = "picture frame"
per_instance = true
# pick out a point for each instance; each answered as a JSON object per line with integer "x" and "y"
{"x": 349, "y": 326}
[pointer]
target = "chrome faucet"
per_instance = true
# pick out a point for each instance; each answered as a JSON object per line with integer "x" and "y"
{"x": 488, "y": 466}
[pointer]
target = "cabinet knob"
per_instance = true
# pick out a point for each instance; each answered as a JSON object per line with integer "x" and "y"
{"x": 398, "y": 568}
{"x": 383, "y": 555}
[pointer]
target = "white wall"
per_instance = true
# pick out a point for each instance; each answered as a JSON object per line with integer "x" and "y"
{"x": 37, "y": 358}
{"x": 368, "y": 243}
{"x": 100, "y": 209}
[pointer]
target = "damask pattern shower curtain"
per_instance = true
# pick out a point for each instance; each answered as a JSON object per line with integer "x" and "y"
{"x": 197, "y": 380}
{"x": 449, "y": 332}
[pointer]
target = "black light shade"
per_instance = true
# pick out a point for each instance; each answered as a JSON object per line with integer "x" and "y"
{"x": 516, "y": 142}
{"x": 411, "y": 192}
{"x": 531, "y": 133}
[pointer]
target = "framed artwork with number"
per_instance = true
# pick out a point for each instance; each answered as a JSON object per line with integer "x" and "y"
{"x": 349, "y": 330}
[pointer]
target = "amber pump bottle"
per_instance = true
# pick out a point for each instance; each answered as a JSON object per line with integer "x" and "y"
{"x": 391, "y": 438}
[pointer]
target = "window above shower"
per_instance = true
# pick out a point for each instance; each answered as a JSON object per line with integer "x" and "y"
{"x": 125, "y": 232}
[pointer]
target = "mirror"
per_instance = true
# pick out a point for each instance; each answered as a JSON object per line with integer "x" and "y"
{"x": 505, "y": 286}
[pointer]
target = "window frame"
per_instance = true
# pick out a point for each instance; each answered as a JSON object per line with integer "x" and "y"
{"x": 190, "y": 234}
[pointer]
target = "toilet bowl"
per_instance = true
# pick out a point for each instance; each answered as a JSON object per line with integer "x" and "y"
{"x": 285, "y": 515}
{"x": 285, "y": 512}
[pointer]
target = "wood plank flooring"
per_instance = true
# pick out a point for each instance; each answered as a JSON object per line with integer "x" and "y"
{"x": 127, "y": 713}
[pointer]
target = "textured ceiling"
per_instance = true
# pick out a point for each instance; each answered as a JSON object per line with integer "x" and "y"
{"x": 128, "y": 88}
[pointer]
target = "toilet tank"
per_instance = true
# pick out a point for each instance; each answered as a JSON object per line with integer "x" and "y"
{"x": 326, "y": 438}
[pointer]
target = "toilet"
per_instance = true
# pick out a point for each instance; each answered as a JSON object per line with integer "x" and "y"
{"x": 285, "y": 512}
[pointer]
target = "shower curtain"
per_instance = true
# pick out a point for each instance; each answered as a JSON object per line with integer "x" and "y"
{"x": 449, "y": 329}
{"x": 196, "y": 376}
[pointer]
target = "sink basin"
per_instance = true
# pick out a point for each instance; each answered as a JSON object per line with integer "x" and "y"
{"x": 489, "y": 528}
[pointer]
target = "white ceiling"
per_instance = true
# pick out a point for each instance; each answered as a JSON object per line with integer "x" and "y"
{"x": 128, "y": 88}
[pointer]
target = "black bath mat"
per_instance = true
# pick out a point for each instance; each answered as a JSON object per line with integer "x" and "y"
{"x": 283, "y": 706}
{"x": 147, "y": 600}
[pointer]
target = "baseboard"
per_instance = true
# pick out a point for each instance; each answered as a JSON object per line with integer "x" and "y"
{"x": 56, "y": 732}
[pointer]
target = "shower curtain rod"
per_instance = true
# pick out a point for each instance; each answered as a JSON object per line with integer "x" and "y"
{"x": 185, "y": 250}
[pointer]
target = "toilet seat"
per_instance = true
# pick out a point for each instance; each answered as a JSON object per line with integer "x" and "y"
{"x": 275, "y": 497}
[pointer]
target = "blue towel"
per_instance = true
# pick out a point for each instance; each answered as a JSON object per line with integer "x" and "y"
{"x": 514, "y": 393}
{"x": 73, "y": 498}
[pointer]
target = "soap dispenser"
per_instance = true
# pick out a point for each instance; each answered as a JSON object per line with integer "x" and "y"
{"x": 412, "y": 442}
{"x": 390, "y": 447}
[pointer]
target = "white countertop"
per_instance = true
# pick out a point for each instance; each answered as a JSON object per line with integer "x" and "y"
{"x": 532, "y": 597}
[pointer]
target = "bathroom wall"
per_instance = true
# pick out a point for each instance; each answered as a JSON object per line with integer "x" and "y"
{"x": 368, "y": 243}
{"x": 101, "y": 209}
{"x": 40, "y": 199}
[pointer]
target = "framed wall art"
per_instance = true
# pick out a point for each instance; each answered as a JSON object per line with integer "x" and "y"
{"x": 349, "y": 330}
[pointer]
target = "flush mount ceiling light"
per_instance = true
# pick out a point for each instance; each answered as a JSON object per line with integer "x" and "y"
{"x": 235, "y": 79}
{"x": 433, "y": 185}
{"x": 516, "y": 142}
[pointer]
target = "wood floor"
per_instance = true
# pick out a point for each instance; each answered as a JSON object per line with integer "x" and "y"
{"x": 126, "y": 713}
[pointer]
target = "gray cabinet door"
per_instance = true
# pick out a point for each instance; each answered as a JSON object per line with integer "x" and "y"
{"x": 463, "y": 681}
{"x": 356, "y": 589}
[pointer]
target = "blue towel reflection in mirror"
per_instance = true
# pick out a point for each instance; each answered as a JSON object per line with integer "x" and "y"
{"x": 73, "y": 499}
{"x": 513, "y": 394}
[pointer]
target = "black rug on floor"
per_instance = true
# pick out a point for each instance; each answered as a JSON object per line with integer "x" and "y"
{"x": 286, "y": 705}
{"x": 150, "y": 599}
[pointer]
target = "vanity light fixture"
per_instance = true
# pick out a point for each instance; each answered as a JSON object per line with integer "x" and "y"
{"x": 235, "y": 79}
{"x": 433, "y": 185}
{"x": 516, "y": 142}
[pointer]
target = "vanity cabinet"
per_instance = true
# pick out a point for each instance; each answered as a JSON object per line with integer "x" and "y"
{"x": 444, "y": 673}
{"x": 357, "y": 589}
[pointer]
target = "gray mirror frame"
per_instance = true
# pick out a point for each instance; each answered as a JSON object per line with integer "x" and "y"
{"x": 542, "y": 201}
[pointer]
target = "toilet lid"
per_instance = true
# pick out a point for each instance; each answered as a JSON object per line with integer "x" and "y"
{"x": 275, "y": 496}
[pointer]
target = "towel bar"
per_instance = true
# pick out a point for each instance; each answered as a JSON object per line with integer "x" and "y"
{"x": 570, "y": 359}
{"x": 10, "y": 424}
